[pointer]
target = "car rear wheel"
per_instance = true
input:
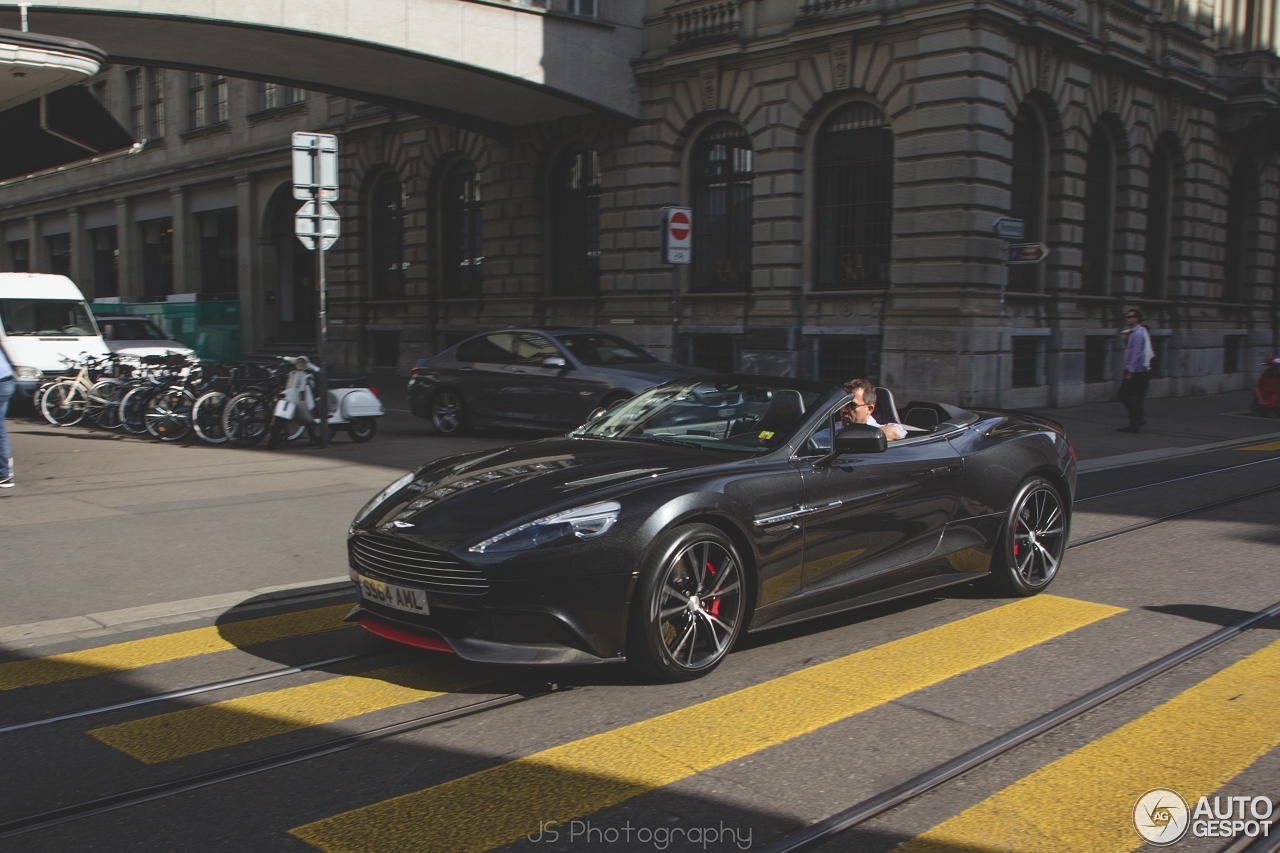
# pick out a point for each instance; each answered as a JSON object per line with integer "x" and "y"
{"x": 448, "y": 412}
{"x": 690, "y": 605}
{"x": 1034, "y": 539}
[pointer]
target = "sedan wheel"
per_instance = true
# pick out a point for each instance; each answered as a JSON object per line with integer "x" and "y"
{"x": 1034, "y": 539}
{"x": 448, "y": 414}
{"x": 690, "y": 605}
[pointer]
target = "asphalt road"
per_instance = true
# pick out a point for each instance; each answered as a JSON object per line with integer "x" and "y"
{"x": 798, "y": 723}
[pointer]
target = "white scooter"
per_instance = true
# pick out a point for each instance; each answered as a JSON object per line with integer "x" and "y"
{"x": 355, "y": 409}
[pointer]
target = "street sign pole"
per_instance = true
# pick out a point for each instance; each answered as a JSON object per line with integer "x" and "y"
{"x": 322, "y": 380}
{"x": 315, "y": 183}
{"x": 677, "y": 250}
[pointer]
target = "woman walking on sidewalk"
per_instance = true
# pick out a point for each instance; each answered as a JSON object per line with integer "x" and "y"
{"x": 1138, "y": 354}
{"x": 7, "y": 386}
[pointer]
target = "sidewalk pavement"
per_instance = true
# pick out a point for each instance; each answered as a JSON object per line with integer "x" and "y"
{"x": 1172, "y": 422}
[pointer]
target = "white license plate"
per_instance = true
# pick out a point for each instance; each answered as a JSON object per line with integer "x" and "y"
{"x": 390, "y": 595}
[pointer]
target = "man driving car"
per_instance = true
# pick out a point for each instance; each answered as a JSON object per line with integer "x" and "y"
{"x": 859, "y": 409}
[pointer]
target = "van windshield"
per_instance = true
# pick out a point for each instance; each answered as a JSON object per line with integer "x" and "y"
{"x": 45, "y": 317}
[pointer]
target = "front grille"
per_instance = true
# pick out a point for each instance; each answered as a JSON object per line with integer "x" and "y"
{"x": 400, "y": 561}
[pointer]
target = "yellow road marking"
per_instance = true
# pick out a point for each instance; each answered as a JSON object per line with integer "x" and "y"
{"x": 1270, "y": 445}
{"x": 168, "y": 647}
{"x": 1193, "y": 744}
{"x": 194, "y": 730}
{"x": 503, "y": 804}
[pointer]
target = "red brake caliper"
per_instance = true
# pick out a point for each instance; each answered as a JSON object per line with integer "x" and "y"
{"x": 714, "y": 609}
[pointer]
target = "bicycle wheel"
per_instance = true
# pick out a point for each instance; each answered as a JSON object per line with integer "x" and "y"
{"x": 103, "y": 404}
{"x": 133, "y": 409}
{"x": 245, "y": 419}
{"x": 168, "y": 414}
{"x": 63, "y": 404}
{"x": 206, "y": 417}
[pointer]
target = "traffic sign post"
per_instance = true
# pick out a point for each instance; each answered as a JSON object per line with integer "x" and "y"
{"x": 318, "y": 226}
{"x": 677, "y": 250}
{"x": 1008, "y": 228}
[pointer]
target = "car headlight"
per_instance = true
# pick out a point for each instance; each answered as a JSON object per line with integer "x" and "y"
{"x": 376, "y": 500}
{"x": 585, "y": 522}
{"x": 27, "y": 374}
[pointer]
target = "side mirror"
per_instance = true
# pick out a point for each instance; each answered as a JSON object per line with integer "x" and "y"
{"x": 855, "y": 440}
{"x": 555, "y": 361}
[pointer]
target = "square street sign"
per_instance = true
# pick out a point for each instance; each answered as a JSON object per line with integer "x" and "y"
{"x": 677, "y": 235}
{"x": 315, "y": 166}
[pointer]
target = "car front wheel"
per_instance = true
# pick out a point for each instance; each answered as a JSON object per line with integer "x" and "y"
{"x": 690, "y": 605}
{"x": 448, "y": 412}
{"x": 1034, "y": 539}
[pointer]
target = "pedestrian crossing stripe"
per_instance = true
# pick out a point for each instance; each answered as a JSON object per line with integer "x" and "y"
{"x": 502, "y": 804}
{"x": 1270, "y": 445}
{"x": 169, "y": 647}
{"x": 190, "y": 731}
{"x": 1193, "y": 744}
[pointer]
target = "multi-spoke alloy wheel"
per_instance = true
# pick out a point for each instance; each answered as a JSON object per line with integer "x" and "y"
{"x": 1034, "y": 538}
{"x": 448, "y": 413}
{"x": 690, "y": 604}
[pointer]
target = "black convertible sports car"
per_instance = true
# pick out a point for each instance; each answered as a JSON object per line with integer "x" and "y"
{"x": 660, "y": 531}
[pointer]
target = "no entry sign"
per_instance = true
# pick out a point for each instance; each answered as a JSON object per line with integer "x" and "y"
{"x": 677, "y": 235}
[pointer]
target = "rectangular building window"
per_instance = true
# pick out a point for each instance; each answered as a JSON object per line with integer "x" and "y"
{"x": 714, "y": 352}
{"x": 1026, "y": 362}
{"x": 207, "y": 100}
{"x": 839, "y": 359}
{"x": 384, "y": 348}
{"x": 19, "y": 261}
{"x": 272, "y": 96}
{"x": 1231, "y": 353}
{"x": 582, "y": 8}
{"x": 197, "y": 103}
{"x": 137, "y": 110}
{"x": 106, "y": 259}
{"x": 59, "y": 248}
{"x": 1097, "y": 357}
{"x": 219, "y": 260}
{"x": 220, "y": 104}
{"x": 155, "y": 102}
{"x": 157, "y": 257}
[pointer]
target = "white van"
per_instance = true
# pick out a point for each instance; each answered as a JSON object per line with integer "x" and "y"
{"x": 43, "y": 319}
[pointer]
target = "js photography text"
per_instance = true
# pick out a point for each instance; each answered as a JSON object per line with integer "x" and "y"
{"x": 662, "y": 837}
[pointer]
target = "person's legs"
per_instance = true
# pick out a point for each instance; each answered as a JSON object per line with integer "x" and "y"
{"x": 1125, "y": 396}
{"x": 1138, "y": 413}
{"x": 6, "y": 392}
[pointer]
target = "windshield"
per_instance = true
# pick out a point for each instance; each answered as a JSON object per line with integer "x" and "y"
{"x": 600, "y": 350}
{"x": 45, "y": 317}
{"x": 741, "y": 416}
{"x": 131, "y": 330}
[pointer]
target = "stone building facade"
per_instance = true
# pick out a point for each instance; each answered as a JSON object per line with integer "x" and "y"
{"x": 846, "y": 162}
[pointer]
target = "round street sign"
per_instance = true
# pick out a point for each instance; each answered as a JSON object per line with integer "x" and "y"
{"x": 677, "y": 235}
{"x": 679, "y": 225}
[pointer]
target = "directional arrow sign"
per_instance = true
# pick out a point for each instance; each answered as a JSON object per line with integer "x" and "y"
{"x": 1010, "y": 229}
{"x": 1027, "y": 253}
{"x": 304, "y": 224}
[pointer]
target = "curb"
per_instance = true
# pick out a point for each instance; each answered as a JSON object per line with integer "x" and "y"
{"x": 1106, "y": 463}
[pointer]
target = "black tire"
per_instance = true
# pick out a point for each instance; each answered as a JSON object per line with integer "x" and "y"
{"x": 363, "y": 429}
{"x": 1033, "y": 540}
{"x": 133, "y": 409}
{"x": 672, "y": 635}
{"x": 449, "y": 413}
{"x": 246, "y": 417}
{"x": 104, "y": 403}
{"x": 168, "y": 414}
{"x": 206, "y": 417}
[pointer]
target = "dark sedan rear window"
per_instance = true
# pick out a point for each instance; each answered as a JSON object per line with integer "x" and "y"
{"x": 604, "y": 350}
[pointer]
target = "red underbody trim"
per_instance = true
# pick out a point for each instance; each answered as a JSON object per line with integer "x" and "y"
{"x": 399, "y": 635}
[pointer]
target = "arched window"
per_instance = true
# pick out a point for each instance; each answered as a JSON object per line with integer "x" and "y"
{"x": 855, "y": 199}
{"x": 1030, "y": 190}
{"x": 575, "y": 223}
{"x": 461, "y": 224}
{"x": 1240, "y": 205}
{"x": 386, "y": 238}
{"x": 1159, "y": 222}
{"x": 1099, "y": 211}
{"x": 722, "y": 193}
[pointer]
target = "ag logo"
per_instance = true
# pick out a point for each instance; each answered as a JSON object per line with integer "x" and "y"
{"x": 1161, "y": 816}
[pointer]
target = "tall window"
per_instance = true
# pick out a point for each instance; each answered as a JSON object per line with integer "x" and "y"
{"x": 157, "y": 256}
{"x": 207, "y": 99}
{"x": 1240, "y": 204}
{"x": 1099, "y": 211}
{"x": 386, "y": 237}
{"x": 19, "y": 260}
{"x": 155, "y": 102}
{"x": 219, "y": 260}
{"x": 59, "y": 248}
{"x": 272, "y": 96}
{"x": 575, "y": 224}
{"x": 855, "y": 199}
{"x": 461, "y": 231}
{"x": 722, "y": 194}
{"x": 1159, "y": 213}
{"x": 106, "y": 253}
{"x": 137, "y": 103}
{"x": 585, "y": 8}
{"x": 1030, "y": 189}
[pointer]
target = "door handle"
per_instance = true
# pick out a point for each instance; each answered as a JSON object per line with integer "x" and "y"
{"x": 940, "y": 470}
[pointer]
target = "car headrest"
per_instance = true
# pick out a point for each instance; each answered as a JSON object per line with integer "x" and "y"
{"x": 886, "y": 411}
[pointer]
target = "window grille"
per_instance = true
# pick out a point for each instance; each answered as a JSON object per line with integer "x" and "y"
{"x": 386, "y": 238}
{"x": 219, "y": 258}
{"x": 1231, "y": 353}
{"x": 1099, "y": 211}
{"x": 855, "y": 199}
{"x": 840, "y": 359}
{"x": 1030, "y": 183}
{"x": 1159, "y": 201}
{"x": 1240, "y": 203}
{"x": 1097, "y": 356}
{"x": 461, "y": 231}
{"x": 722, "y": 183}
{"x": 714, "y": 352}
{"x": 1026, "y": 362}
{"x": 106, "y": 253}
{"x": 19, "y": 261}
{"x": 157, "y": 257}
{"x": 575, "y": 224}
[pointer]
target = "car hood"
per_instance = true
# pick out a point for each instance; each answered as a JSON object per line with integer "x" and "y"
{"x": 457, "y": 501}
{"x": 46, "y": 353}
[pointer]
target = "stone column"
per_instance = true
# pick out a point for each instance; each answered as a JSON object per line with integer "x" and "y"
{"x": 80, "y": 268}
{"x": 36, "y": 260}
{"x": 247, "y": 269}
{"x": 126, "y": 244}
{"x": 186, "y": 272}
